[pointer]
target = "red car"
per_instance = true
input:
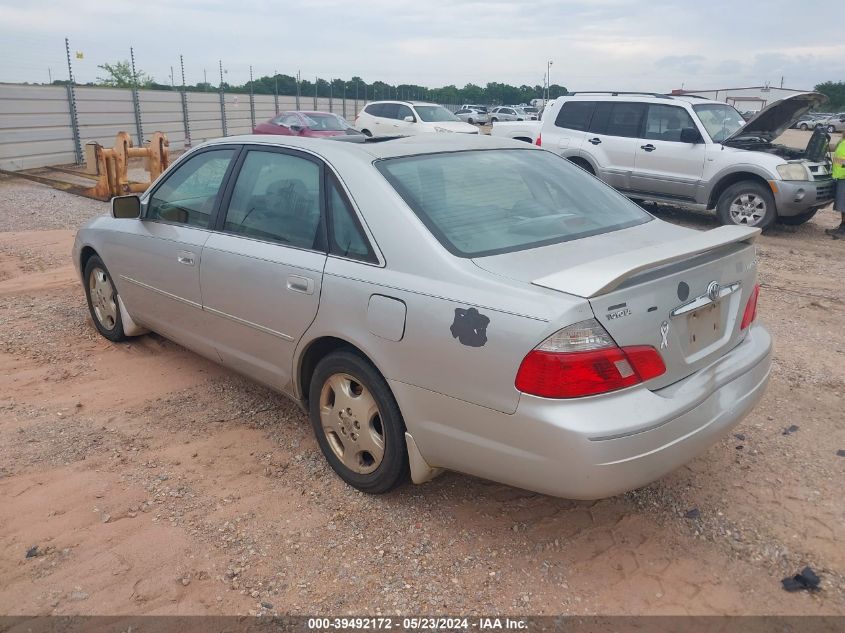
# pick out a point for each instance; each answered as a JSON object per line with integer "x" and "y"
{"x": 304, "y": 123}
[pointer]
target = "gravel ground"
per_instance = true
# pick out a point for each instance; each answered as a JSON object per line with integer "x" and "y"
{"x": 153, "y": 481}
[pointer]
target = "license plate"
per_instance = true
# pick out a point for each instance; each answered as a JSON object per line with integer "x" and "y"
{"x": 704, "y": 327}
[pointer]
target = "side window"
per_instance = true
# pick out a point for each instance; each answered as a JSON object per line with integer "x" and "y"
{"x": 404, "y": 111}
{"x": 626, "y": 119}
{"x": 189, "y": 194}
{"x": 277, "y": 198}
{"x": 346, "y": 237}
{"x": 575, "y": 115}
{"x": 375, "y": 109}
{"x": 664, "y": 123}
{"x": 390, "y": 110}
{"x": 291, "y": 119}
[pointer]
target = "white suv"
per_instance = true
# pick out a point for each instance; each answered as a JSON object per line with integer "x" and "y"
{"x": 408, "y": 118}
{"x": 690, "y": 151}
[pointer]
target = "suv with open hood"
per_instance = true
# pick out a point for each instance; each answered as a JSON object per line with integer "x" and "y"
{"x": 693, "y": 152}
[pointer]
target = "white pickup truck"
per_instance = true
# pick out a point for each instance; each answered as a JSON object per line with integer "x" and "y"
{"x": 690, "y": 151}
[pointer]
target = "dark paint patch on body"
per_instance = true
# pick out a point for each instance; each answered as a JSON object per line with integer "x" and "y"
{"x": 470, "y": 327}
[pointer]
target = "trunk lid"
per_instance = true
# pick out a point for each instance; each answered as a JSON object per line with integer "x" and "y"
{"x": 775, "y": 118}
{"x": 649, "y": 285}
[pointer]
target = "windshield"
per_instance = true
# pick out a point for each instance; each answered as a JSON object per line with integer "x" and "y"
{"x": 485, "y": 202}
{"x": 325, "y": 122}
{"x": 720, "y": 120}
{"x": 434, "y": 113}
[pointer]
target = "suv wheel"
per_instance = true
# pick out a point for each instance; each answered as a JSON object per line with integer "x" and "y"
{"x": 357, "y": 423}
{"x": 747, "y": 203}
{"x": 831, "y": 129}
{"x": 470, "y": 121}
{"x": 803, "y": 126}
{"x": 494, "y": 120}
{"x": 367, "y": 133}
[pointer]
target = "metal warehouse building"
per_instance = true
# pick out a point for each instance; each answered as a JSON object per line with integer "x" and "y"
{"x": 752, "y": 99}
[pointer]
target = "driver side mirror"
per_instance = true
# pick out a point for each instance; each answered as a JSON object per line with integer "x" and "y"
{"x": 410, "y": 119}
{"x": 690, "y": 135}
{"x": 296, "y": 128}
{"x": 126, "y": 207}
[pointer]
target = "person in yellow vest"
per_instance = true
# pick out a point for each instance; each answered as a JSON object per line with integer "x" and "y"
{"x": 839, "y": 197}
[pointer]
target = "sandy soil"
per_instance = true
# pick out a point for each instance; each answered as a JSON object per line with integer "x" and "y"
{"x": 154, "y": 482}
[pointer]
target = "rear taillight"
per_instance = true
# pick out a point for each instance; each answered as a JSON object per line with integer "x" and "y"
{"x": 539, "y": 141}
{"x": 750, "y": 308}
{"x": 582, "y": 360}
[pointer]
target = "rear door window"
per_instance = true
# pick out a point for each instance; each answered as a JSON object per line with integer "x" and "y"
{"x": 390, "y": 110}
{"x": 575, "y": 115}
{"x": 626, "y": 119}
{"x": 375, "y": 109}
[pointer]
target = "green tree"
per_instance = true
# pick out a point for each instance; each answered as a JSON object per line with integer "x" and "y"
{"x": 835, "y": 91}
{"x": 119, "y": 75}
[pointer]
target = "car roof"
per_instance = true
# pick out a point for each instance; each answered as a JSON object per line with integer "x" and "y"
{"x": 415, "y": 103}
{"x": 379, "y": 148}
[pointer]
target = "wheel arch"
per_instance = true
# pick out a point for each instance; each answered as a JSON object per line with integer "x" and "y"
{"x": 583, "y": 163}
{"x": 317, "y": 349}
{"x": 86, "y": 253}
{"x": 731, "y": 179}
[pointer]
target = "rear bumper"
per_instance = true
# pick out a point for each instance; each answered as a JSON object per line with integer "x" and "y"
{"x": 594, "y": 447}
{"x": 796, "y": 197}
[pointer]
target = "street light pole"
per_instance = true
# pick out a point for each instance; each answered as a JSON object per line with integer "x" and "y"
{"x": 549, "y": 79}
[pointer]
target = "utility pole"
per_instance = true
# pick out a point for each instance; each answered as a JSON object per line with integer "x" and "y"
{"x": 184, "y": 96}
{"x": 205, "y": 79}
{"x": 50, "y": 74}
{"x": 549, "y": 79}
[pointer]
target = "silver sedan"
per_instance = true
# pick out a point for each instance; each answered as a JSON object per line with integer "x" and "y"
{"x": 470, "y": 115}
{"x": 442, "y": 302}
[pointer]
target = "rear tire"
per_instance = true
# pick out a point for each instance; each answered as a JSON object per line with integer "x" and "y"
{"x": 357, "y": 423}
{"x": 494, "y": 120}
{"x": 583, "y": 165}
{"x": 102, "y": 300}
{"x": 367, "y": 133}
{"x": 747, "y": 203}
{"x": 830, "y": 129}
{"x": 796, "y": 220}
{"x": 470, "y": 121}
{"x": 803, "y": 126}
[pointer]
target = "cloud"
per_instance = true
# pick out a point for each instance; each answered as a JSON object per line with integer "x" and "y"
{"x": 622, "y": 44}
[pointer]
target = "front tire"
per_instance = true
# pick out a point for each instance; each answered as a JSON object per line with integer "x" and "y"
{"x": 357, "y": 423}
{"x": 470, "y": 121}
{"x": 803, "y": 126}
{"x": 830, "y": 129}
{"x": 103, "y": 300}
{"x": 494, "y": 120}
{"x": 747, "y": 203}
{"x": 796, "y": 220}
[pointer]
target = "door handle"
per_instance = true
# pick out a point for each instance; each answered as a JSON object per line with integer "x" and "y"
{"x": 648, "y": 148}
{"x": 297, "y": 283}
{"x": 185, "y": 257}
{"x": 595, "y": 141}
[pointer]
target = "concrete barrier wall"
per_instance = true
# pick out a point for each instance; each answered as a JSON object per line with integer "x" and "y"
{"x": 36, "y": 126}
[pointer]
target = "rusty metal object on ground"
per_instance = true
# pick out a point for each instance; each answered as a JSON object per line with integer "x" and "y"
{"x": 108, "y": 166}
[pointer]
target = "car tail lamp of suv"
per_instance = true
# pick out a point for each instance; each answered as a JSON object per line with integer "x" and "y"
{"x": 582, "y": 360}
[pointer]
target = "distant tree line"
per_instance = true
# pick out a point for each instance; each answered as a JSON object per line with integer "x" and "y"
{"x": 119, "y": 75}
{"x": 835, "y": 91}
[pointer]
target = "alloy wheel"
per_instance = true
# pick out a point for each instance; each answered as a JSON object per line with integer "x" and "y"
{"x": 748, "y": 209}
{"x": 352, "y": 423}
{"x": 102, "y": 296}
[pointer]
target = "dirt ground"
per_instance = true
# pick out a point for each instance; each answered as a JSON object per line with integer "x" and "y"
{"x": 154, "y": 482}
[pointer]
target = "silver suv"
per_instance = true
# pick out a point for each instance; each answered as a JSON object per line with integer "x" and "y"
{"x": 694, "y": 152}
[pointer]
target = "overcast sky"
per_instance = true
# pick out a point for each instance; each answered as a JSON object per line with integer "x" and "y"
{"x": 652, "y": 45}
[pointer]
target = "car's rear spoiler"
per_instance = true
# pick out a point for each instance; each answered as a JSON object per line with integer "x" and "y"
{"x": 603, "y": 275}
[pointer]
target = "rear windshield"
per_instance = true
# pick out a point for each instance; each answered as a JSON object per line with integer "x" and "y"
{"x": 486, "y": 202}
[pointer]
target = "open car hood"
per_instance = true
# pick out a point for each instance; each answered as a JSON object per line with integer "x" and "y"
{"x": 775, "y": 118}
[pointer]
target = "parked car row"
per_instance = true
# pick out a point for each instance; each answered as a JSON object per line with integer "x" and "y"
{"x": 689, "y": 151}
